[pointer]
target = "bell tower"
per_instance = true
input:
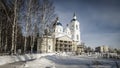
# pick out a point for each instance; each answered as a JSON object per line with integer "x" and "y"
{"x": 75, "y": 29}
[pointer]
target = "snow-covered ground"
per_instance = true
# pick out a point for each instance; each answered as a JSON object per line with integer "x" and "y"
{"x": 75, "y": 62}
{"x": 26, "y": 57}
{"x": 39, "y": 63}
{"x": 62, "y": 60}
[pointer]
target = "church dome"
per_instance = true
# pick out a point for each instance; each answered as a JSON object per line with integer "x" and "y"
{"x": 58, "y": 28}
{"x": 73, "y": 20}
{"x": 57, "y": 23}
{"x": 67, "y": 30}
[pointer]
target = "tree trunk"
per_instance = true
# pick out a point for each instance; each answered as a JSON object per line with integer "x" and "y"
{"x": 27, "y": 25}
{"x": 16, "y": 31}
{"x": 0, "y": 35}
{"x": 5, "y": 48}
{"x": 13, "y": 27}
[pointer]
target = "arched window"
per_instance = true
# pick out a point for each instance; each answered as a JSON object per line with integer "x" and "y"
{"x": 77, "y": 27}
{"x": 49, "y": 47}
{"x": 77, "y": 37}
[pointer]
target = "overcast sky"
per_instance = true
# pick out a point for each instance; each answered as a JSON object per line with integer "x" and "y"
{"x": 99, "y": 20}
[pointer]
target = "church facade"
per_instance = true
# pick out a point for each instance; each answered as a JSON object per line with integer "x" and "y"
{"x": 62, "y": 39}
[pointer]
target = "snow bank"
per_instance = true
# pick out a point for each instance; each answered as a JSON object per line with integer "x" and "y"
{"x": 26, "y": 57}
{"x": 40, "y": 63}
{"x": 37, "y": 56}
{"x": 63, "y": 54}
{"x": 11, "y": 59}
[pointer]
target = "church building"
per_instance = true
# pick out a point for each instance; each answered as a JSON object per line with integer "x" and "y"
{"x": 61, "y": 39}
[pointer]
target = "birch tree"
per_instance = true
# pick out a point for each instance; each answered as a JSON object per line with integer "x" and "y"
{"x": 38, "y": 14}
{"x": 5, "y": 20}
{"x": 9, "y": 24}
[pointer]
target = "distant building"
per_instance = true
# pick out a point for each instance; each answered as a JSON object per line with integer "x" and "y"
{"x": 102, "y": 49}
{"x": 80, "y": 49}
{"x": 62, "y": 39}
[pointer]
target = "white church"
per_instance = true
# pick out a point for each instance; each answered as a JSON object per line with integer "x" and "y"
{"x": 62, "y": 39}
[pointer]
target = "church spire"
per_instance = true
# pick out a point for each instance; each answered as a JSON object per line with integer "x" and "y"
{"x": 57, "y": 19}
{"x": 74, "y": 16}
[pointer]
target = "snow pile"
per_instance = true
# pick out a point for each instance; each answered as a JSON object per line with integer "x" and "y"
{"x": 87, "y": 56}
{"x": 62, "y": 54}
{"x": 11, "y": 59}
{"x": 37, "y": 56}
{"x": 5, "y": 59}
{"x": 26, "y": 57}
{"x": 40, "y": 63}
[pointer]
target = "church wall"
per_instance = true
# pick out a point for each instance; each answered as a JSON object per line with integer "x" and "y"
{"x": 62, "y": 40}
{"x": 63, "y": 46}
{"x": 45, "y": 45}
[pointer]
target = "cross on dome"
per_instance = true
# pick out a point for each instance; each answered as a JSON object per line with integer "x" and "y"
{"x": 74, "y": 16}
{"x": 57, "y": 23}
{"x": 57, "y": 19}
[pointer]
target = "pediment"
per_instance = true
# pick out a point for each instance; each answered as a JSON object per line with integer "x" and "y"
{"x": 65, "y": 38}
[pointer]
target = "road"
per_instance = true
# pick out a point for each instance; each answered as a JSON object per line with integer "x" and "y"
{"x": 70, "y": 62}
{"x": 76, "y": 62}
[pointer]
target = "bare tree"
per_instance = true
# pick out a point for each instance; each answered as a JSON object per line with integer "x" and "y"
{"x": 17, "y": 4}
{"x": 47, "y": 14}
{"x": 46, "y": 18}
{"x": 5, "y": 21}
{"x": 9, "y": 24}
{"x": 13, "y": 27}
{"x": 0, "y": 25}
{"x": 39, "y": 13}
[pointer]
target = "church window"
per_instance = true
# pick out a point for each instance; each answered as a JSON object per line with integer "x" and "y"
{"x": 60, "y": 30}
{"x": 77, "y": 37}
{"x": 72, "y": 26}
{"x": 77, "y": 27}
{"x": 61, "y": 41}
{"x": 49, "y": 47}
